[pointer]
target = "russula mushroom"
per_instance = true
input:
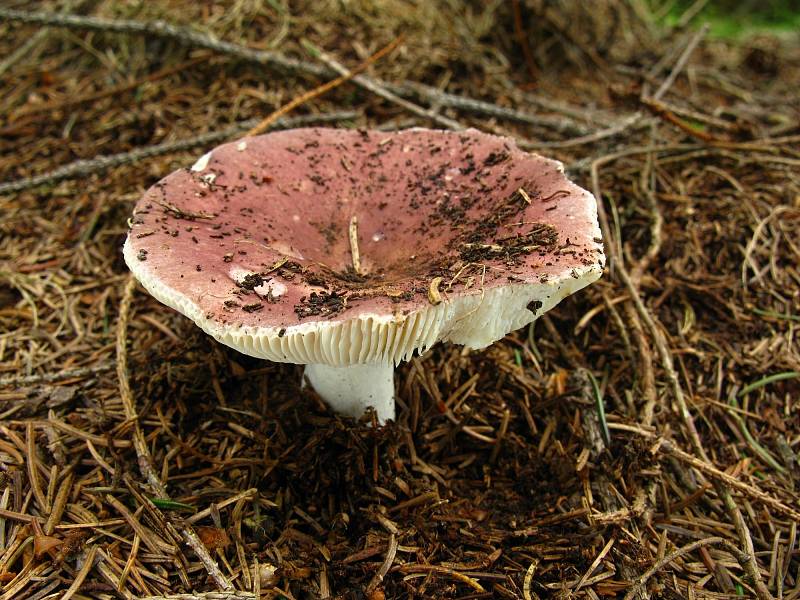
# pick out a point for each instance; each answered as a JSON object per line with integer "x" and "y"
{"x": 349, "y": 251}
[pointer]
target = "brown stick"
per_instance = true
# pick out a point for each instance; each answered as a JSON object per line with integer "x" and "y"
{"x": 637, "y": 587}
{"x": 324, "y": 88}
{"x": 681, "y": 62}
{"x": 711, "y": 471}
{"x": 231, "y": 595}
{"x": 104, "y": 93}
{"x": 82, "y": 168}
{"x": 376, "y": 88}
{"x": 139, "y": 443}
{"x": 277, "y": 60}
{"x": 661, "y": 110}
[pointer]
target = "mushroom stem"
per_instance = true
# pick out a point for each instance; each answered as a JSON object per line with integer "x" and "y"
{"x": 351, "y": 390}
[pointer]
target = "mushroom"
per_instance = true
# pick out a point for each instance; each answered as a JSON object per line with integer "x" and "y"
{"x": 350, "y": 251}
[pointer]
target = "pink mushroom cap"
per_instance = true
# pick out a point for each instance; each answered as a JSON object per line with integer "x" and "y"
{"x": 462, "y": 236}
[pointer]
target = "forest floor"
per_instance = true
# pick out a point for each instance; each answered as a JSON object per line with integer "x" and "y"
{"x": 501, "y": 477}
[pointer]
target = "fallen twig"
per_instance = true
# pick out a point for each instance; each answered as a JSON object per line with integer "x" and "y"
{"x": 639, "y": 585}
{"x": 710, "y": 470}
{"x": 323, "y": 89}
{"x": 635, "y": 119}
{"x": 140, "y": 445}
{"x": 231, "y": 595}
{"x": 432, "y": 94}
{"x": 29, "y": 50}
{"x": 615, "y": 258}
{"x": 681, "y": 62}
{"x": 79, "y": 373}
{"x": 83, "y": 168}
{"x": 379, "y": 90}
{"x": 190, "y": 37}
{"x": 166, "y": 30}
